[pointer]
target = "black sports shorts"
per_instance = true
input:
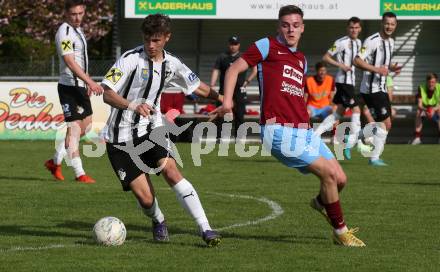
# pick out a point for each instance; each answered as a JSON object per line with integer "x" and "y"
{"x": 379, "y": 105}
{"x": 345, "y": 95}
{"x": 127, "y": 167}
{"x": 75, "y": 102}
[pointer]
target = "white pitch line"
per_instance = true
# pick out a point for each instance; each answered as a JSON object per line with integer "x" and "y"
{"x": 19, "y": 248}
{"x": 276, "y": 208}
{"x": 276, "y": 211}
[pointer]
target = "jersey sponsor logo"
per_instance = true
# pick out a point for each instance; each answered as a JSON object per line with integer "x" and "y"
{"x": 363, "y": 49}
{"x": 114, "y": 75}
{"x": 291, "y": 89}
{"x": 145, "y": 73}
{"x": 282, "y": 53}
{"x": 292, "y": 73}
{"x": 66, "y": 45}
{"x": 192, "y": 77}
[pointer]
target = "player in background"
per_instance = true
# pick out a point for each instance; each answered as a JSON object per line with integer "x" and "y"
{"x": 74, "y": 88}
{"x": 136, "y": 137}
{"x": 374, "y": 59}
{"x": 285, "y": 127}
{"x": 341, "y": 55}
{"x": 319, "y": 91}
{"x": 428, "y": 105}
{"x": 222, "y": 63}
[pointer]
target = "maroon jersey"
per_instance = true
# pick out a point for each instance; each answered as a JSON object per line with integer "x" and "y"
{"x": 281, "y": 81}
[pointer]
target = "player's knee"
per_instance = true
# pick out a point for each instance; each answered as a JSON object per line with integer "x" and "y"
{"x": 341, "y": 180}
{"x": 170, "y": 172}
{"x": 146, "y": 201}
{"x": 330, "y": 176}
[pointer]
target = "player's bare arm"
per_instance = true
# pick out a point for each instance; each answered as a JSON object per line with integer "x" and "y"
{"x": 360, "y": 63}
{"x": 420, "y": 104}
{"x": 93, "y": 87}
{"x": 115, "y": 100}
{"x": 329, "y": 59}
{"x": 214, "y": 77}
{"x": 239, "y": 66}
{"x": 208, "y": 92}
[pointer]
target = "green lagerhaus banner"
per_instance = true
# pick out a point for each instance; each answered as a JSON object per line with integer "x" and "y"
{"x": 411, "y": 7}
{"x": 176, "y": 7}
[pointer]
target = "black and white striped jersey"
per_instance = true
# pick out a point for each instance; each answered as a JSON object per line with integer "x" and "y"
{"x": 345, "y": 50}
{"x": 377, "y": 52}
{"x": 137, "y": 78}
{"x": 70, "y": 40}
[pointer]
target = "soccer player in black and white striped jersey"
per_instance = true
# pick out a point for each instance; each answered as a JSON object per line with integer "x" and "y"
{"x": 345, "y": 49}
{"x": 375, "y": 59}
{"x": 74, "y": 88}
{"x": 136, "y": 141}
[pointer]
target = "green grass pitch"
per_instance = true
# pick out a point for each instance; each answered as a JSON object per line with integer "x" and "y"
{"x": 46, "y": 225}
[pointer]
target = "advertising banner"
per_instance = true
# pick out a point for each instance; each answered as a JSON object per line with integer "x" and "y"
{"x": 176, "y": 7}
{"x": 31, "y": 110}
{"x": 411, "y": 7}
{"x": 268, "y": 9}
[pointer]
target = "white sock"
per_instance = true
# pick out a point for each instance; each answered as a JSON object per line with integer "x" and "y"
{"x": 355, "y": 127}
{"x": 188, "y": 198}
{"x": 77, "y": 166}
{"x": 60, "y": 152}
{"x": 379, "y": 143}
{"x": 154, "y": 212}
{"x": 328, "y": 123}
{"x": 342, "y": 230}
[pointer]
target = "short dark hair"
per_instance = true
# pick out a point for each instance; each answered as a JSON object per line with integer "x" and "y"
{"x": 156, "y": 24}
{"x": 319, "y": 65}
{"x": 73, "y": 3}
{"x": 388, "y": 14}
{"x": 431, "y": 76}
{"x": 290, "y": 9}
{"x": 354, "y": 20}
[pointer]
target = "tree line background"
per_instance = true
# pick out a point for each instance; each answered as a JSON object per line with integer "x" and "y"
{"x": 27, "y": 29}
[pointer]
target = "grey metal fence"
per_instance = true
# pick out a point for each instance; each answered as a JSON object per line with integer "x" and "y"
{"x": 47, "y": 69}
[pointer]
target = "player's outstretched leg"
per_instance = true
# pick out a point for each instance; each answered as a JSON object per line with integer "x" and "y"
{"x": 144, "y": 193}
{"x": 327, "y": 123}
{"x": 330, "y": 178}
{"x": 189, "y": 199}
{"x": 317, "y": 203}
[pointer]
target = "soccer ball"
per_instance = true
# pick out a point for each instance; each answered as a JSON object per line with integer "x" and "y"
{"x": 109, "y": 231}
